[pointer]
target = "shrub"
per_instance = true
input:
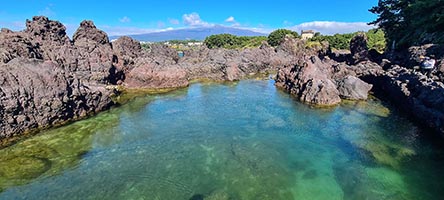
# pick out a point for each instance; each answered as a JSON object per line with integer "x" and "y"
{"x": 276, "y": 37}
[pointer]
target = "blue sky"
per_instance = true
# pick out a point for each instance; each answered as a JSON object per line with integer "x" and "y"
{"x": 132, "y": 16}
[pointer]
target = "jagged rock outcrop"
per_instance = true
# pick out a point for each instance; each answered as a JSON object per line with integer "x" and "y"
{"x": 93, "y": 54}
{"x": 317, "y": 79}
{"x": 358, "y": 48}
{"x": 156, "y": 68}
{"x": 161, "y": 67}
{"x": 88, "y": 35}
{"x": 414, "y": 93}
{"x": 152, "y": 75}
{"x": 45, "y": 31}
{"x": 223, "y": 64}
{"x": 411, "y": 58}
{"x": 41, "y": 39}
{"x": 163, "y": 54}
{"x": 17, "y": 44}
{"x": 48, "y": 79}
{"x": 310, "y": 81}
{"x": 292, "y": 46}
{"x": 38, "y": 94}
{"x": 126, "y": 51}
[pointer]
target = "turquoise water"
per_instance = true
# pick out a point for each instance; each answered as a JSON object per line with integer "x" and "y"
{"x": 244, "y": 140}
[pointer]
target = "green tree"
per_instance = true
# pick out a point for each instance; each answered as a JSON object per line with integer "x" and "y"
{"x": 376, "y": 40}
{"x": 220, "y": 40}
{"x": 410, "y": 22}
{"x": 336, "y": 41}
{"x": 375, "y": 37}
{"x": 276, "y": 37}
{"x": 233, "y": 42}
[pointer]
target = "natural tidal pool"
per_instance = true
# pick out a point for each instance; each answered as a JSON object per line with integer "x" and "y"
{"x": 244, "y": 140}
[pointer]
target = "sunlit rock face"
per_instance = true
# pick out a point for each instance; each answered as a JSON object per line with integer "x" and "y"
{"x": 48, "y": 80}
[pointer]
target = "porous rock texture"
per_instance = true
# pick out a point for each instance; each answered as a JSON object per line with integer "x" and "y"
{"x": 316, "y": 79}
{"x": 46, "y": 79}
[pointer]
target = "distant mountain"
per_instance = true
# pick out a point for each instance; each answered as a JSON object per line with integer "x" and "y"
{"x": 191, "y": 33}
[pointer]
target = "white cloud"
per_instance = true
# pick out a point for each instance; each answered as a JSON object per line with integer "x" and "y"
{"x": 48, "y": 12}
{"x": 174, "y": 21}
{"x": 233, "y": 22}
{"x": 236, "y": 24}
{"x": 193, "y": 19}
{"x": 262, "y": 30}
{"x": 125, "y": 19}
{"x": 230, "y": 19}
{"x": 166, "y": 29}
{"x": 331, "y": 27}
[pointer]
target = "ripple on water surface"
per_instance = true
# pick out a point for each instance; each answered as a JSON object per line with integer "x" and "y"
{"x": 244, "y": 140}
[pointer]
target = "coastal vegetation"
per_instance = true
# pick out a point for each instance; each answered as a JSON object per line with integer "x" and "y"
{"x": 175, "y": 44}
{"x": 410, "y": 22}
{"x": 376, "y": 40}
{"x": 276, "y": 37}
{"x": 229, "y": 41}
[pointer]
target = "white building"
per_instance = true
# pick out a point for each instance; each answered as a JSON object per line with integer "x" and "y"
{"x": 305, "y": 35}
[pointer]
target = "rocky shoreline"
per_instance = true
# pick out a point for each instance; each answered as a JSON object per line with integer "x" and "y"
{"x": 325, "y": 79}
{"x": 48, "y": 79}
{"x": 413, "y": 93}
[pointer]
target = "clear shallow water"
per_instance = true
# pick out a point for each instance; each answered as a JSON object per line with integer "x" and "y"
{"x": 244, "y": 140}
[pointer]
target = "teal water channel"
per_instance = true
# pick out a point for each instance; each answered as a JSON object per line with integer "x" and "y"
{"x": 244, "y": 140}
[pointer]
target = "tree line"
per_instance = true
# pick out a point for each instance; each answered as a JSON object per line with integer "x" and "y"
{"x": 229, "y": 41}
{"x": 376, "y": 40}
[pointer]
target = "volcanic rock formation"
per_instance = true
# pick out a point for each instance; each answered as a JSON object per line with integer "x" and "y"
{"x": 48, "y": 79}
